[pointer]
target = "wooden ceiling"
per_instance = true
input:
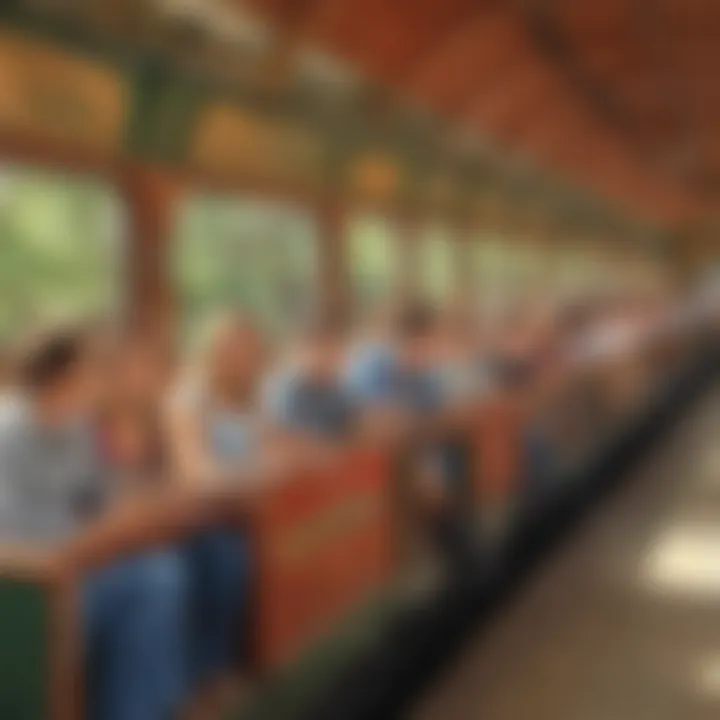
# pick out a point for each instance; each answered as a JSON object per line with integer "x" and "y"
{"x": 618, "y": 95}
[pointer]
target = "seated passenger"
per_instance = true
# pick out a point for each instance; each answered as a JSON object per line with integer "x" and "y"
{"x": 371, "y": 363}
{"x": 405, "y": 382}
{"x": 128, "y": 421}
{"x": 131, "y": 445}
{"x": 306, "y": 396}
{"x": 461, "y": 362}
{"x": 511, "y": 357}
{"x": 133, "y": 612}
{"x": 214, "y": 439}
{"x": 401, "y": 373}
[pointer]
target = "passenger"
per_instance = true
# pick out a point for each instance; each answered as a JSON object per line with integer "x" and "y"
{"x": 128, "y": 422}
{"x": 462, "y": 364}
{"x": 131, "y": 445}
{"x": 403, "y": 373}
{"x": 464, "y": 382}
{"x": 512, "y": 361}
{"x": 406, "y": 383}
{"x": 549, "y": 399}
{"x": 133, "y": 612}
{"x": 307, "y": 396}
{"x": 212, "y": 415}
{"x": 371, "y": 362}
{"x": 214, "y": 439}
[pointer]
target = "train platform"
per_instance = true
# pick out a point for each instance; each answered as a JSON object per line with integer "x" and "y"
{"x": 622, "y": 622}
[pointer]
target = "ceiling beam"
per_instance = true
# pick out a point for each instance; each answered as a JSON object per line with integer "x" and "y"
{"x": 543, "y": 28}
{"x": 484, "y": 37}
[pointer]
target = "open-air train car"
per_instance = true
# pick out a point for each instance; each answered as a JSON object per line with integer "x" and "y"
{"x": 199, "y": 179}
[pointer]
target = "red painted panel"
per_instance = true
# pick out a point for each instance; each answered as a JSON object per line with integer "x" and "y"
{"x": 498, "y": 449}
{"x": 323, "y": 542}
{"x": 468, "y": 64}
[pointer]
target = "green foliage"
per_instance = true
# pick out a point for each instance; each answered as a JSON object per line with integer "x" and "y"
{"x": 58, "y": 249}
{"x": 244, "y": 254}
{"x": 373, "y": 260}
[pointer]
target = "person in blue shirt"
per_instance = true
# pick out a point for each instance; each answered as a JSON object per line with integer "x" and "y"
{"x": 400, "y": 383}
{"x": 306, "y": 397}
{"x": 370, "y": 364}
{"x": 398, "y": 369}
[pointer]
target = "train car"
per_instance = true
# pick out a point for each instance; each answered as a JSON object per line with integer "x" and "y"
{"x": 176, "y": 157}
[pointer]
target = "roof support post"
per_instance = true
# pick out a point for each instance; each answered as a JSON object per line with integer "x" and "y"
{"x": 465, "y": 257}
{"x": 152, "y": 198}
{"x": 408, "y": 229}
{"x": 334, "y": 295}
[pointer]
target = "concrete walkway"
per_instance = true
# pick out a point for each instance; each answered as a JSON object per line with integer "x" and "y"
{"x": 623, "y": 623}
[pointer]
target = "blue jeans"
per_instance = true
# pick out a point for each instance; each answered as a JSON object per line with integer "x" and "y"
{"x": 219, "y": 567}
{"x": 135, "y": 624}
{"x": 541, "y": 464}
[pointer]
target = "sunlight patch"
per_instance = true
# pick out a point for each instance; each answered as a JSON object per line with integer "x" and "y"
{"x": 708, "y": 676}
{"x": 684, "y": 560}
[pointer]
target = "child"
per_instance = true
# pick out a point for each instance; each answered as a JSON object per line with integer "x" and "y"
{"x": 308, "y": 398}
{"x": 129, "y": 440}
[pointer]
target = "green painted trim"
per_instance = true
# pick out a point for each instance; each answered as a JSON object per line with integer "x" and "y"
{"x": 162, "y": 128}
{"x": 66, "y": 36}
{"x": 24, "y": 651}
{"x": 163, "y": 116}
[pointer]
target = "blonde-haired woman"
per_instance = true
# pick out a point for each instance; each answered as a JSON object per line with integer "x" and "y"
{"x": 213, "y": 437}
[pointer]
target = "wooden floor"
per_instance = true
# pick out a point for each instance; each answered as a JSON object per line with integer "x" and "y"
{"x": 623, "y": 623}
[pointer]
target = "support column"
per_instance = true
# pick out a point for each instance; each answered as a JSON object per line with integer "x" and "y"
{"x": 152, "y": 198}
{"x": 334, "y": 295}
{"x": 407, "y": 229}
{"x": 465, "y": 271}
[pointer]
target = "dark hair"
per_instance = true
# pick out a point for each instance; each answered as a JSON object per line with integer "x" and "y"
{"x": 416, "y": 319}
{"x": 50, "y": 357}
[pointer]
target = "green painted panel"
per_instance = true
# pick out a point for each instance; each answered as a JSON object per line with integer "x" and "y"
{"x": 24, "y": 651}
{"x": 164, "y": 112}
